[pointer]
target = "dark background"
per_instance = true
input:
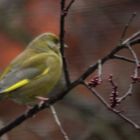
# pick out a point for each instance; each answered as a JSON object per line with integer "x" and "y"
{"x": 93, "y": 27}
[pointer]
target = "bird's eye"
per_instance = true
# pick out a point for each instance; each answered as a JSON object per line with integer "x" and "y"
{"x": 55, "y": 40}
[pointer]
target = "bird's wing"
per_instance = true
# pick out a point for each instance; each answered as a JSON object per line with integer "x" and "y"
{"x": 16, "y": 77}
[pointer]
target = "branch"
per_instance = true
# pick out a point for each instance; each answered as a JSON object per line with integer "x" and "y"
{"x": 46, "y": 104}
{"x": 64, "y": 11}
{"x": 128, "y": 93}
{"x": 68, "y": 6}
{"x": 132, "y": 39}
{"x": 123, "y": 58}
{"x": 56, "y": 118}
{"x": 37, "y": 108}
{"x": 136, "y": 60}
{"x": 100, "y": 71}
{"x": 115, "y": 111}
{"x": 96, "y": 80}
{"x": 134, "y": 77}
{"x": 126, "y": 27}
{"x": 111, "y": 54}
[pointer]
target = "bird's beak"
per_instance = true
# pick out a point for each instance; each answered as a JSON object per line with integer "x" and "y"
{"x": 65, "y": 45}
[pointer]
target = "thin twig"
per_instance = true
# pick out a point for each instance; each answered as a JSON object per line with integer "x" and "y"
{"x": 118, "y": 113}
{"x": 123, "y": 58}
{"x": 134, "y": 54}
{"x": 64, "y": 12}
{"x": 100, "y": 71}
{"x": 126, "y": 27}
{"x": 128, "y": 93}
{"x": 37, "y": 108}
{"x": 56, "y": 118}
{"x": 111, "y": 54}
{"x": 134, "y": 77}
{"x": 136, "y": 60}
{"x": 96, "y": 80}
{"x": 69, "y": 5}
{"x": 131, "y": 38}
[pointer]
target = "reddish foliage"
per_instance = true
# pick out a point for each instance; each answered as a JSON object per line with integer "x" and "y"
{"x": 9, "y": 49}
{"x": 40, "y": 17}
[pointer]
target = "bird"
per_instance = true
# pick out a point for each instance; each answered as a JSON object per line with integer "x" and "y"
{"x": 34, "y": 73}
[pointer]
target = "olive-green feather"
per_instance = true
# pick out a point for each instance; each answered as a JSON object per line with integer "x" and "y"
{"x": 34, "y": 72}
{"x": 28, "y": 69}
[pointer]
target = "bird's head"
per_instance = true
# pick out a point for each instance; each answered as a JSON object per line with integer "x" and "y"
{"x": 45, "y": 42}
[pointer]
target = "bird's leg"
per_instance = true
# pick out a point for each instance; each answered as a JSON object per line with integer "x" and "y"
{"x": 41, "y": 99}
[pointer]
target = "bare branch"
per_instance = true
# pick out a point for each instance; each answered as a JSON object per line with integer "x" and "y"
{"x": 118, "y": 113}
{"x": 61, "y": 36}
{"x": 100, "y": 71}
{"x": 128, "y": 93}
{"x": 111, "y": 54}
{"x": 123, "y": 58}
{"x": 136, "y": 60}
{"x": 127, "y": 26}
{"x": 37, "y": 108}
{"x": 134, "y": 77}
{"x": 96, "y": 80}
{"x": 56, "y": 118}
{"x": 69, "y": 5}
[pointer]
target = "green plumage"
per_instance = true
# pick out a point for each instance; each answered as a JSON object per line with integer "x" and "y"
{"x": 34, "y": 72}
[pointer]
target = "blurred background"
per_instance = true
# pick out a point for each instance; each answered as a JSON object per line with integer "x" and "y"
{"x": 93, "y": 28}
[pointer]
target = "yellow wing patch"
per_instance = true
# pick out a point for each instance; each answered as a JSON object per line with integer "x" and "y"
{"x": 17, "y": 85}
{"x": 22, "y": 83}
{"x": 45, "y": 71}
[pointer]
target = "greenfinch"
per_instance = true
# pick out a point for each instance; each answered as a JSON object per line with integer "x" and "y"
{"x": 35, "y": 72}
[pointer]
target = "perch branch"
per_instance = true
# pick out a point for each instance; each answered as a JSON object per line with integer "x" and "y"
{"x": 64, "y": 11}
{"x": 37, "y": 108}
